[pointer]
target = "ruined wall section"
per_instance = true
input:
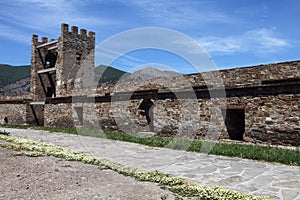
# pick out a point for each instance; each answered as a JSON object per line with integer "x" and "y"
{"x": 254, "y": 75}
{"x": 177, "y": 83}
{"x": 236, "y": 77}
{"x": 250, "y": 76}
{"x": 76, "y": 67}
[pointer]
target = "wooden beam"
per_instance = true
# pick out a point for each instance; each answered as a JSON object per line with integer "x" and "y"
{"x": 48, "y": 43}
{"x": 43, "y": 71}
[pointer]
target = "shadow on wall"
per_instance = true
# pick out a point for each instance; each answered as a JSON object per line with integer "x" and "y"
{"x": 235, "y": 122}
{"x": 147, "y": 110}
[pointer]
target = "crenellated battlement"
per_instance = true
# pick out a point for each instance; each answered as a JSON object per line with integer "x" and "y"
{"x": 44, "y": 41}
{"x": 65, "y": 33}
{"x": 74, "y": 32}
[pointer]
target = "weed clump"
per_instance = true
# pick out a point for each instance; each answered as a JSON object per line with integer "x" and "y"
{"x": 4, "y": 132}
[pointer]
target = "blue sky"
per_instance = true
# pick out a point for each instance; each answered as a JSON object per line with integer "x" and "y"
{"x": 234, "y": 33}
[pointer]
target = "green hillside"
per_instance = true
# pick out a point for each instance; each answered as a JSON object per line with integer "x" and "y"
{"x": 9, "y": 74}
{"x": 107, "y": 74}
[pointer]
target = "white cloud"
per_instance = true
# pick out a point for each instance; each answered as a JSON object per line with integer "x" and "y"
{"x": 14, "y": 34}
{"x": 103, "y": 54}
{"x": 258, "y": 41}
{"x": 178, "y": 13}
{"x": 166, "y": 40}
{"x": 46, "y": 16}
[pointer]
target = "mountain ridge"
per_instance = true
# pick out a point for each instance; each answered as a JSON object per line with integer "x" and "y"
{"x": 149, "y": 73}
{"x": 16, "y": 79}
{"x": 10, "y": 74}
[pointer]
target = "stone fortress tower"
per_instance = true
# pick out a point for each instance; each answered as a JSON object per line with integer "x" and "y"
{"x": 60, "y": 67}
{"x": 56, "y": 64}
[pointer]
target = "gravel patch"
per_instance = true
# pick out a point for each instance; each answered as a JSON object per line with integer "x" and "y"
{"x": 24, "y": 177}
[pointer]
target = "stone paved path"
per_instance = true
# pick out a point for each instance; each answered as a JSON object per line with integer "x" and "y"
{"x": 259, "y": 178}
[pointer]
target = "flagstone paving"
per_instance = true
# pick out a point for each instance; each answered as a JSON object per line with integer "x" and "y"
{"x": 259, "y": 178}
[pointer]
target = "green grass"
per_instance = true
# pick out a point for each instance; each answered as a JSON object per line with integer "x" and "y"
{"x": 177, "y": 185}
{"x": 259, "y": 152}
{"x": 247, "y": 151}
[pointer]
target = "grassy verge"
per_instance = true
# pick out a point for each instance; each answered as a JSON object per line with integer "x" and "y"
{"x": 50, "y": 129}
{"x": 179, "y": 186}
{"x": 247, "y": 151}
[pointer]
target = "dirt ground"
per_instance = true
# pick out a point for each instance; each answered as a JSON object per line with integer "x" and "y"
{"x": 24, "y": 177}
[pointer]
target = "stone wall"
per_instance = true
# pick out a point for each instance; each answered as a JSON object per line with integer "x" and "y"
{"x": 274, "y": 119}
{"x": 99, "y": 116}
{"x": 270, "y": 111}
{"x": 12, "y": 113}
{"x": 13, "y": 109}
{"x": 21, "y": 113}
{"x": 267, "y": 94}
{"x": 15, "y": 98}
{"x": 35, "y": 115}
{"x": 59, "y": 115}
{"x": 256, "y": 74}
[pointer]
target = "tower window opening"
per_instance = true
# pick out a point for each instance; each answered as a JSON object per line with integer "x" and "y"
{"x": 50, "y": 60}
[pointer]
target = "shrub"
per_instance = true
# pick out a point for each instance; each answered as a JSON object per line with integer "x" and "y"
{"x": 4, "y": 132}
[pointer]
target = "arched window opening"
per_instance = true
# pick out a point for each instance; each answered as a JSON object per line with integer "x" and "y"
{"x": 50, "y": 60}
